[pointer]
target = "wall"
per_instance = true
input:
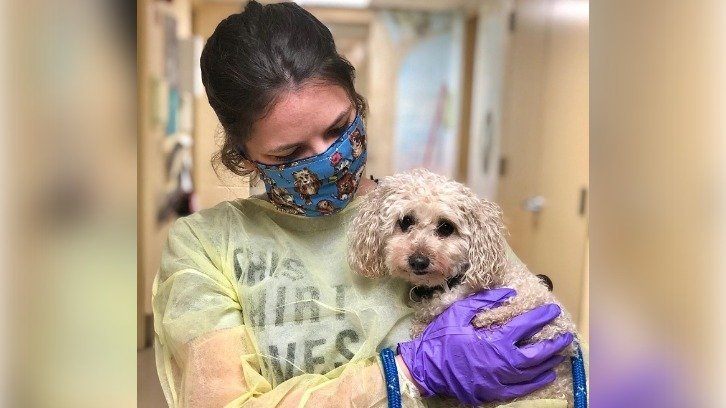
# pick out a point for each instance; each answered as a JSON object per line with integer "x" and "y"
{"x": 490, "y": 47}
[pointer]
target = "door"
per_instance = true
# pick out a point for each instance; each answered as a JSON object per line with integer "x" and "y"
{"x": 544, "y": 163}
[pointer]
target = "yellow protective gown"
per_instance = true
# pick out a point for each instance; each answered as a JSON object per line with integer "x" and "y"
{"x": 257, "y": 308}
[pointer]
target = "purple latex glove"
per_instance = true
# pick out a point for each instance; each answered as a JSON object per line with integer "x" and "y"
{"x": 454, "y": 358}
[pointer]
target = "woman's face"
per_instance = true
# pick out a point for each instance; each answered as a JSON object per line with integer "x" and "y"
{"x": 304, "y": 122}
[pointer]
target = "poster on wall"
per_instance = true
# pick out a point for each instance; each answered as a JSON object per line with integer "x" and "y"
{"x": 428, "y": 87}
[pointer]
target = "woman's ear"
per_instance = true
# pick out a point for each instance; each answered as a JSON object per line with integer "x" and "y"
{"x": 254, "y": 171}
{"x": 366, "y": 236}
{"x": 249, "y": 165}
{"x": 487, "y": 249}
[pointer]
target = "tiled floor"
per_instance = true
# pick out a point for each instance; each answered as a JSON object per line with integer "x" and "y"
{"x": 149, "y": 394}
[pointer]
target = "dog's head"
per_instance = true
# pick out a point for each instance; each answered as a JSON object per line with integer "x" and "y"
{"x": 424, "y": 228}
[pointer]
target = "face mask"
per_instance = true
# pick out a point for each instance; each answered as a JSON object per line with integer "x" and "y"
{"x": 323, "y": 184}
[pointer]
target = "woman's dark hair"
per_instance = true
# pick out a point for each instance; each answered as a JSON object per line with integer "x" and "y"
{"x": 255, "y": 55}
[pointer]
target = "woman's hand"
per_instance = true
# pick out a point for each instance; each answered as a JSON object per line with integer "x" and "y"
{"x": 454, "y": 358}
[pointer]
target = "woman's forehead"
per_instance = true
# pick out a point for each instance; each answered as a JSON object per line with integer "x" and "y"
{"x": 298, "y": 113}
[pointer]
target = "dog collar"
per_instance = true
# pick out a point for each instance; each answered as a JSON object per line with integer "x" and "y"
{"x": 426, "y": 292}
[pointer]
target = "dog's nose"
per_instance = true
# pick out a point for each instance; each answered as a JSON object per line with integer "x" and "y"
{"x": 418, "y": 263}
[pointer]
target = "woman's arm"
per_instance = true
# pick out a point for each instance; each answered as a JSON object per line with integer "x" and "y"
{"x": 223, "y": 370}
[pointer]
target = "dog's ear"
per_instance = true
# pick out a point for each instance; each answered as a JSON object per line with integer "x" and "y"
{"x": 487, "y": 247}
{"x": 367, "y": 235}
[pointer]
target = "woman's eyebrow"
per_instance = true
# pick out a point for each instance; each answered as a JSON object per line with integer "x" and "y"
{"x": 340, "y": 117}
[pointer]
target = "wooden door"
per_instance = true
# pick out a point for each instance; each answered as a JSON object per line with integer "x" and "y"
{"x": 544, "y": 174}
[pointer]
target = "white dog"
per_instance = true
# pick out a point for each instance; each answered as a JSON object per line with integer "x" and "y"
{"x": 448, "y": 243}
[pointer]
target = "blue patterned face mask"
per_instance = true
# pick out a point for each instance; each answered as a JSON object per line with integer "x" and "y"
{"x": 323, "y": 184}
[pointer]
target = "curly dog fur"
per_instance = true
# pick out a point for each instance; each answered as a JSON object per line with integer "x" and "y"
{"x": 425, "y": 229}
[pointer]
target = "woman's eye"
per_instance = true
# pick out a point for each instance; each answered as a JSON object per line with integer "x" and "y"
{"x": 405, "y": 223}
{"x": 445, "y": 229}
{"x": 288, "y": 157}
{"x": 340, "y": 129}
{"x": 336, "y": 131}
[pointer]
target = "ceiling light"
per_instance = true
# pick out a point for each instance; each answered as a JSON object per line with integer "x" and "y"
{"x": 335, "y": 3}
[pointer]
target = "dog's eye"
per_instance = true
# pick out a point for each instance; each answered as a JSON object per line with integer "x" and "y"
{"x": 405, "y": 223}
{"x": 445, "y": 229}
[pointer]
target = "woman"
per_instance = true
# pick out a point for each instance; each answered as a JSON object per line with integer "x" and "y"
{"x": 254, "y": 303}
